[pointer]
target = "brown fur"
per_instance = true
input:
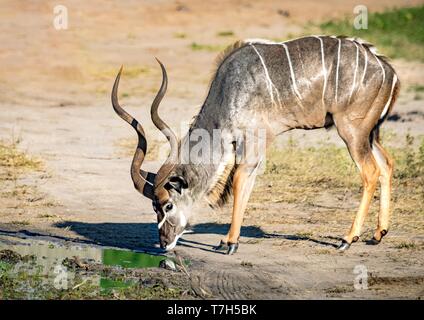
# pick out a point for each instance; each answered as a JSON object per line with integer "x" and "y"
{"x": 221, "y": 191}
{"x": 375, "y": 134}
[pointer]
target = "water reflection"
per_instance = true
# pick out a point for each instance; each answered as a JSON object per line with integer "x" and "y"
{"x": 49, "y": 257}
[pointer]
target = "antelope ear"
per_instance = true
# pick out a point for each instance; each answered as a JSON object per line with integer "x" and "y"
{"x": 177, "y": 183}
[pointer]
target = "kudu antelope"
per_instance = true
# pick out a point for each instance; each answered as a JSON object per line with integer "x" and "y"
{"x": 307, "y": 83}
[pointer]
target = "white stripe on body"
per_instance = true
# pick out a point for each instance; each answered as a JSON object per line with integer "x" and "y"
{"x": 323, "y": 68}
{"x": 296, "y": 91}
{"x": 356, "y": 70}
{"x": 386, "y": 107}
{"x": 337, "y": 68}
{"x": 382, "y": 69}
{"x": 270, "y": 84}
{"x": 365, "y": 66}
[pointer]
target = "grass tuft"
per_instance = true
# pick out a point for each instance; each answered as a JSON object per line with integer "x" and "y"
{"x": 406, "y": 245}
{"x": 206, "y": 47}
{"x": 226, "y": 33}
{"x": 14, "y": 162}
{"x": 416, "y": 88}
{"x": 11, "y": 157}
{"x": 180, "y": 35}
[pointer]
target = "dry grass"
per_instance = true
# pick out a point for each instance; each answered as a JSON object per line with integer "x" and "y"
{"x": 317, "y": 190}
{"x": 407, "y": 245}
{"x": 295, "y": 174}
{"x": 225, "y": 33}
{"x": 14, "y": 162}
{"x": 19, "y": 198}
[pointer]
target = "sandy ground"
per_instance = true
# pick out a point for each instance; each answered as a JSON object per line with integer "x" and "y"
{"x": 55, "y": 86}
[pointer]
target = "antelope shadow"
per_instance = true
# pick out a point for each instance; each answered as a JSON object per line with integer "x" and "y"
{"x": 144, "y": 236}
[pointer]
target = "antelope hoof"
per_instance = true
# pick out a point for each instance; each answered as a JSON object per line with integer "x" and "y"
{"x": 343, "y": 246}
{"x": 374, "y": 241}
{"x": 223, "y": 246}
{"x": 232, "y": 248}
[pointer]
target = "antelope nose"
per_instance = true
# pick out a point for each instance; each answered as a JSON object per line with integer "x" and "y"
{"x": 163, "y": 243}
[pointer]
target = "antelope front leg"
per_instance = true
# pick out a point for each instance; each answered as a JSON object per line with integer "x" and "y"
{"x": 243, "y": 182}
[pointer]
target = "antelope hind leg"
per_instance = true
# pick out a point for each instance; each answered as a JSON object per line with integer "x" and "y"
{"x": 385, "y": 163}
{"x": 369, "y": 174}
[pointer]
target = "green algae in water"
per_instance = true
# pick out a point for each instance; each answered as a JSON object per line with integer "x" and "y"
{"x": 130, "y": 259}
{"x": 126, "y": 259}
{"x": 37, "y": 278}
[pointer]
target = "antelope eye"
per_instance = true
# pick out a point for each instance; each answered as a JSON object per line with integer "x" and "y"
{"x": 168, "y": 207}
{"x": 155, "y": 208}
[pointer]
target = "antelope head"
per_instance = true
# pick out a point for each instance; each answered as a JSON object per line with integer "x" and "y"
{"x": 166, "y": 188}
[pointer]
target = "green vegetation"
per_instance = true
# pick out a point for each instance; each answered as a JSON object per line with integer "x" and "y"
{"x": 206, "y": 47}
{"x": 130, "y": 259}
{"x": 416, "y": 88}
{"x": 226, "y": 33}
{"x": 398, "y": 33}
